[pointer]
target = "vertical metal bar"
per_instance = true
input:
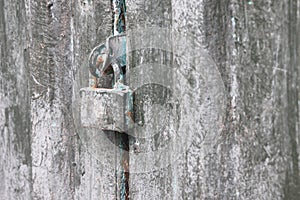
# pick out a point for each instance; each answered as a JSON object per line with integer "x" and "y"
{"x": 119, "y": 10}
{"x": 119, "y": 27}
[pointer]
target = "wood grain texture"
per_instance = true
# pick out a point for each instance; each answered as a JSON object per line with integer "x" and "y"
{"x": 15, "y": 127}
{"x": 245, "y": 147}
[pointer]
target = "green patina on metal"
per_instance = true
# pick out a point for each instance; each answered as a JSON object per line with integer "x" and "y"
{"x": 119, "y": 11}
{"x": 108, "y": 58}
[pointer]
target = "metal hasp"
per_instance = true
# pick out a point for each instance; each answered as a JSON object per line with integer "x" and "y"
{"x": 108, "y": 109}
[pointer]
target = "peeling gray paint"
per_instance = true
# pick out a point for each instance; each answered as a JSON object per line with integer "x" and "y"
{"x": 47, "y": 154}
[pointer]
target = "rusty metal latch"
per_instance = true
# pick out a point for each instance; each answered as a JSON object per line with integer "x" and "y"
{"x": 108, "y": 109}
